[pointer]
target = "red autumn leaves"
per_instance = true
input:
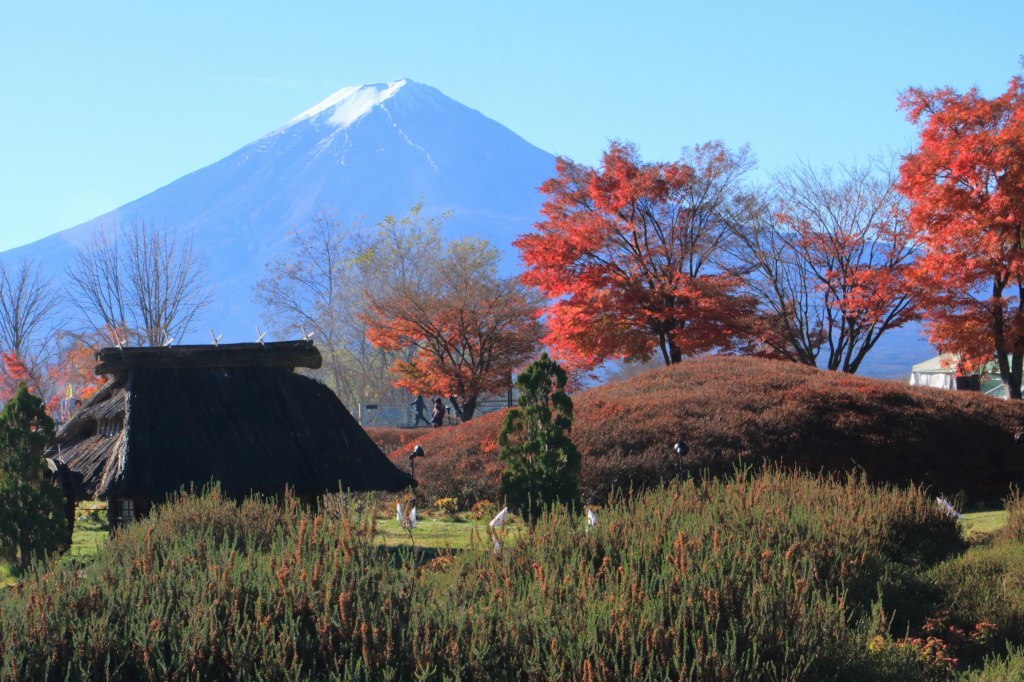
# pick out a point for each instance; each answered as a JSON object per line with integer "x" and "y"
{"x": 965, "y": 183}
{"x": 624, "y": 253}
{"x": 640, "y": 259}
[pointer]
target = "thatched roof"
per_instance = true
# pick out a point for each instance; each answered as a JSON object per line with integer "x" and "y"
{"x": 167, "y": 420}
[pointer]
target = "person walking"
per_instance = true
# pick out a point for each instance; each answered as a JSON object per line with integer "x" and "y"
{"x": 437, "y": 414}
{"x": 421, "y": 408}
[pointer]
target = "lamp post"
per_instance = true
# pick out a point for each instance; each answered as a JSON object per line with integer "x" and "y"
{"x": 416, "y": 452}
{"x": 682, "y": 449}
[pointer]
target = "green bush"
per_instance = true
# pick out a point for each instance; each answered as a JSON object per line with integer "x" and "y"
{"x": 759, "y": 576}
{"x": 542, "y": 464}
{"x": 32, "y": 520}
{"x": 1000, "y": 668}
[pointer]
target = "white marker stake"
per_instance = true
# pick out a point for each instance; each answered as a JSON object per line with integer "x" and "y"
{"x": 499, "y": 520}
{"x": 945, "y": 506}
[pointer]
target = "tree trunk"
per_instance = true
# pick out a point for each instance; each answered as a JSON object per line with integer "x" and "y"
{"x": 468, "y": 407}
{"x": 675, "y": 355}
{"x": 1006, "y": 373}
{"x": 1013, "y": 388}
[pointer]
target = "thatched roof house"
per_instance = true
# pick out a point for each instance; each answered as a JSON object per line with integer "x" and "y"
{"x": 237, "y": 414}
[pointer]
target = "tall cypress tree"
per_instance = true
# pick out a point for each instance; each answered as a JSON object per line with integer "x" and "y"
{"x": 31, "y": 507}
{"x": 543, "y": 465}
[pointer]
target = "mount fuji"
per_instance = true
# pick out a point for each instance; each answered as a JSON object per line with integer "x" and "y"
{"x": 364, "y": 152}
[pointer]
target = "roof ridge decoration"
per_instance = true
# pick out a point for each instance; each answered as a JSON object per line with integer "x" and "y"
{"x": 291, "y": 354}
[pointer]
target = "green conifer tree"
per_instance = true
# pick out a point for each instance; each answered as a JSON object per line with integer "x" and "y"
{"x": 31, "y": 508}
{"x": 543, "y": 465}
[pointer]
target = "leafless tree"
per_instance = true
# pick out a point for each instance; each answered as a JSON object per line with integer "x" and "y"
{"x": 709, "y": 203}
{"x": 139, "y": 282}
{"x": 29, "y": 318}
{"x": 827, "y": 253}
{"x": 791, "y": 323}
{"x": 316, "y": 288}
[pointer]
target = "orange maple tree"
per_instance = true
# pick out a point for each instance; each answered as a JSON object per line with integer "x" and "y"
{"x": 965, "y": 183}
{"x": 461, "y": 328}
{"x": 626, "y": 255}
{"x": 73, "y": 370}
{"x": 14, "y": 372}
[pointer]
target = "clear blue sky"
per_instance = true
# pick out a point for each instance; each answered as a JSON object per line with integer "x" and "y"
{"x": 103, "y": 102}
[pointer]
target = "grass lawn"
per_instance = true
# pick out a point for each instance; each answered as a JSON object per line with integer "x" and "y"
{"x": 447, "y": 534}
{"x": 441, "y": 533}
{"x": 976, "y": 524}
{"x": 5, "y": 576}
{"x": 88, "y": 539}
{"x": 90, "y": 529}
{"x": 89, "y": 536}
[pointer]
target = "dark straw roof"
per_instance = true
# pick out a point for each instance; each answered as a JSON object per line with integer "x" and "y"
{"x": 251, "y": 428}
{"x": 276, "y": 354}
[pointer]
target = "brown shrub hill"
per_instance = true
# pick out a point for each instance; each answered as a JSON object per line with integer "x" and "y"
{"x": 390, "y": 439}
{"x": 733, "y": 409}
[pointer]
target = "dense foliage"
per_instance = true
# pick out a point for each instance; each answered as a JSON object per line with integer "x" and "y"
{"x": 542, "y": 464}
{"x": 731, "y": 409}
{"x": 626, "y": 255}
{"x": 31, "y": 508}
{"x": 965, "y": 182}
{"x": 760, "y": 576}
{"x": 454, "y": 324}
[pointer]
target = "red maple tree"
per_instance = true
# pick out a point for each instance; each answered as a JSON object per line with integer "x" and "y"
{"x": 14, "y": 372}
{"x": 626, "y": 255}
{"x": 965, "y": 183}
{"x": 71, "y": 375}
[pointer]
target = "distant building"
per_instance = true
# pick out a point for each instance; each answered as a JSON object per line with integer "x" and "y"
{"x": 940, "y": 372}
{"x": 238, "y": 414}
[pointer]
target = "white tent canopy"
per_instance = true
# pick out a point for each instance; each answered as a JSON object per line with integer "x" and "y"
{"x": 938, "y": 372}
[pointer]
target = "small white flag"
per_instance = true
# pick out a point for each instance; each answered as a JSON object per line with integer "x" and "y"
{"x": 591, "y": 518}
{"x": 499, "y": 520}
{"x": 496, "y": 545}
{"x": 412, "y": 518}
{"x": 399, "y": 517}
{"x": 945, "y": 506}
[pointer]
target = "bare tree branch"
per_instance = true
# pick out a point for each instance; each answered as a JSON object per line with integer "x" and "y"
{"x": 138, "y": 282}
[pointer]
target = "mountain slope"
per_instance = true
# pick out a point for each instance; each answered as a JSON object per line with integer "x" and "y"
{"x": 365, "y": 151}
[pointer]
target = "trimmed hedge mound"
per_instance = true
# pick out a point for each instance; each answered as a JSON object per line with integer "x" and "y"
{"x": 732, "y": 409}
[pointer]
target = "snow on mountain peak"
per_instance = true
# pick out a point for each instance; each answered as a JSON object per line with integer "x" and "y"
{"x": 348, "y": 105}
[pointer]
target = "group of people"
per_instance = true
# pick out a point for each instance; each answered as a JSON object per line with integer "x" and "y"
{"x": 437, "y": 413}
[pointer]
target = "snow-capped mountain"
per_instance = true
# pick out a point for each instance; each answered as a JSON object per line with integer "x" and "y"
{"x": 365, "y": 151}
